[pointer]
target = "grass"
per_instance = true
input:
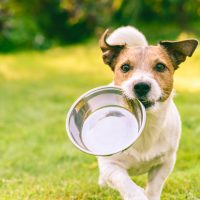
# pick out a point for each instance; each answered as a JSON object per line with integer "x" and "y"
{"x": 37, "y": 161}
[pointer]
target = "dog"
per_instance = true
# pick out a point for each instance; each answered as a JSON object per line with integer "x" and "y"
{"x": 144, "y": 72}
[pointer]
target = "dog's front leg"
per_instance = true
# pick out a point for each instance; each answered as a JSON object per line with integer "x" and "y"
{"x": 157, "y": 177}
{"x": 118, "y": 178}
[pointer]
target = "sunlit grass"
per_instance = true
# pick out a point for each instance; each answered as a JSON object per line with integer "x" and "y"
{"x": 37, "y": 161}
{"x": 187, "y": 77}
{"x": 83, "y": 59}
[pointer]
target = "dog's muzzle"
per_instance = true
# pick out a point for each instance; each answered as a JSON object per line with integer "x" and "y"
{"x": 141, "y": 91}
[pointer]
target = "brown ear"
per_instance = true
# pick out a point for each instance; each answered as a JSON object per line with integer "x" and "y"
{"x": 178, "y": 51}
{"x": 110, "y": 52}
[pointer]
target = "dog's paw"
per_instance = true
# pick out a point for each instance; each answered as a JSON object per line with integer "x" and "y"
{"x": 135, "y": 196}
{"x": 101, "y": 182}
{"x": 153, "y": 197}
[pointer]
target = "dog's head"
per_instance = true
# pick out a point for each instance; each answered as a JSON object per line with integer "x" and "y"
{"x": 146, "y": 72}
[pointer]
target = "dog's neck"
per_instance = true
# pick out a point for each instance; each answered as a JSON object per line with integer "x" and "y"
{"x": 161, "y": 109}
{"x": 156, "y": 120}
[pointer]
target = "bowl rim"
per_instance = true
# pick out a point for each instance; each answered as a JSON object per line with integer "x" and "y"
{"x": 88, "y": 93}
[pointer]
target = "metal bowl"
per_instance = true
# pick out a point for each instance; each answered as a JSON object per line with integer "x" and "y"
{"x": 103, "y": 121}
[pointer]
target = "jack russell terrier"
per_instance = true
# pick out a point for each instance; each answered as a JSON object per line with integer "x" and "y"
{"x": 145, "y": 72}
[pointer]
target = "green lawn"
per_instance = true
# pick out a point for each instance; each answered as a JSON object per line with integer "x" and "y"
{"x": 37, "y": 160}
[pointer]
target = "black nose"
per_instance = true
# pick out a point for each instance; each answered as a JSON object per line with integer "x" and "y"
{"x": 141, "y": 89}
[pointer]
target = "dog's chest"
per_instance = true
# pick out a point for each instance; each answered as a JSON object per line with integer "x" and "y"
{"x": 142, "y": 162}
{"x": 158, "y": 140}
{"x": 150, "y": 150}
{"x": 139, "y": 162}
{"x": 144, "y": 166}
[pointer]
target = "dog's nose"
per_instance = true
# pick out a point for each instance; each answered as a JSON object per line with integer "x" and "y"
{"x": 141, "y": 89}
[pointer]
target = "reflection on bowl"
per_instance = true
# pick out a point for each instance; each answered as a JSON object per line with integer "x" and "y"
{"x": 104, "y": 122}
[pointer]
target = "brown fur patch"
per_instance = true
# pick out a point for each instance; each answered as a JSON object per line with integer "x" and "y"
{"x": 145, "y": 59}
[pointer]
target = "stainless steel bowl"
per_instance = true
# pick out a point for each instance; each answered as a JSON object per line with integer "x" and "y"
{"x": 104, "y": 122}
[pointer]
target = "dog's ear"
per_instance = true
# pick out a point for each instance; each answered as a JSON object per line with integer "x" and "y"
{"x": 110, "y": 52}
{"x": 179, "y": 50}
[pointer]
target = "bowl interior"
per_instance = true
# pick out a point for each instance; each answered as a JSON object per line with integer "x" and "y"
{"x": 103, "y": 121}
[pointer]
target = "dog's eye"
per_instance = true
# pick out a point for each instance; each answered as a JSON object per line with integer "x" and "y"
{"x": 160, "y": 67}
{"x": 125, "y": 68}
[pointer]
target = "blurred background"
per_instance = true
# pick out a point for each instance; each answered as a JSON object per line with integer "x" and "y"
{"x": 39, "y": 24}
{"x": 49, "y": 56}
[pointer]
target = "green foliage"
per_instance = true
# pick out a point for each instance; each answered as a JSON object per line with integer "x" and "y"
{"x": 41, "y": 23}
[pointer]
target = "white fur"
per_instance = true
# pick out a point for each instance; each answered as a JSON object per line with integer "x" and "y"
{"x": 127, "y": 35}
{"x": 154, "y": 152}
{"x": 141, "y": 76}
